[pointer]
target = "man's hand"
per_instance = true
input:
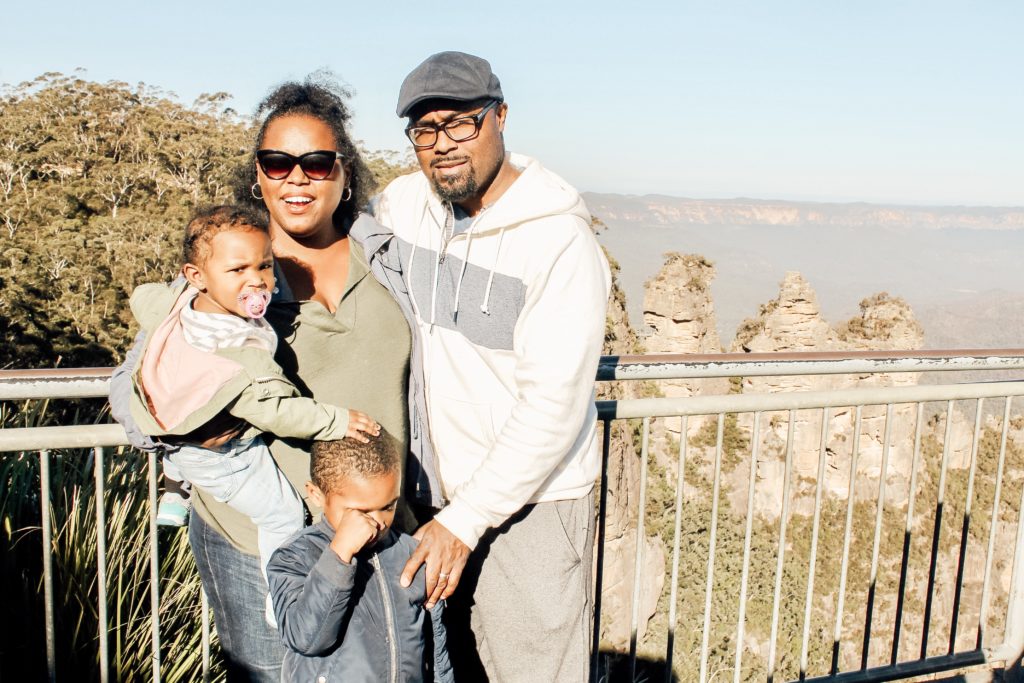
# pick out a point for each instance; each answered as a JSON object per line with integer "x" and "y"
{"x": 445, "y": 556}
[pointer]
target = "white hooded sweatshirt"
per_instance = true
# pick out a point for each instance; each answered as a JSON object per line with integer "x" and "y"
{"x": 508, "y": 319}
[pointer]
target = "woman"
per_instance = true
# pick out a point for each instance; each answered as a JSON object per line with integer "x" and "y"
{"x": 344, "y": 340}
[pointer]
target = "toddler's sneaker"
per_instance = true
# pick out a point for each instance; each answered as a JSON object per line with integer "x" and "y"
{"x": 173, "y": 509}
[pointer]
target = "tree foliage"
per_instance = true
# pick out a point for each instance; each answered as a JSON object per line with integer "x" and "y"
{"x": 96, "y": 182}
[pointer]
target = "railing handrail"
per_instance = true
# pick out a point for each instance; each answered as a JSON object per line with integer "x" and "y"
{"x": 709, "y": 365}
{"x": 803, "y": 400}
{"x": 52, "y": 383}
{"x": 102, "y": 435}
{"x": 70, "y": 436}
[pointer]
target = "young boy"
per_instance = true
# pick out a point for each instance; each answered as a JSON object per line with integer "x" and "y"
{"x": 209, "y": 352}
{"x": 342, "y": 613}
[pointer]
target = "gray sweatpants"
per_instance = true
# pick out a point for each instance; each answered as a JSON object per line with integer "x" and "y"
{"x": 527, "y": 593}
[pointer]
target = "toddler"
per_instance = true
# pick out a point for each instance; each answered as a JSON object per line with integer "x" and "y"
{"x": 335, "y": 586}
{"x": 208, "y": 352}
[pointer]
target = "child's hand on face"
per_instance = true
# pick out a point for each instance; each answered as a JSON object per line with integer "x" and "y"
{"x": 355, "y": 530}
{"x": 359, "y": 424}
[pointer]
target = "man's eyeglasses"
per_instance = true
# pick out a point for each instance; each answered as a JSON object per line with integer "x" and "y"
{"x": 461, "y": 129}
{"x": 316, "y": 165}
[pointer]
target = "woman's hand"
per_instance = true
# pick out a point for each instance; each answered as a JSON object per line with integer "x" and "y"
{"x": 360, "y": 424}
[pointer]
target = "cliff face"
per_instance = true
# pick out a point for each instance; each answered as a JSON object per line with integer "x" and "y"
{"x": 623, "y": 472}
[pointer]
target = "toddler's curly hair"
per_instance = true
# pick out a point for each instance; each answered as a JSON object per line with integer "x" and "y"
{"x": 210, "y": 221}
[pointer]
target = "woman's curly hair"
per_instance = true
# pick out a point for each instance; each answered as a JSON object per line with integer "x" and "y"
{"x": 322, "y": 97}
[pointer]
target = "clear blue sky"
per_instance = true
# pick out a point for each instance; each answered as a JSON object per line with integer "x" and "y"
{"x": 876, "y": 100}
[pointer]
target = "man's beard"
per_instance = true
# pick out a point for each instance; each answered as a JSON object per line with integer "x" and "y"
{"x": 458, "y": 188}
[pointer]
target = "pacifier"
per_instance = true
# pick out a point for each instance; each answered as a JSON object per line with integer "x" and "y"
{"x": 255, "y": 303}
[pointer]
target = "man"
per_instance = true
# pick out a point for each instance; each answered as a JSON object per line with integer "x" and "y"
{"x": 493, "y": 261}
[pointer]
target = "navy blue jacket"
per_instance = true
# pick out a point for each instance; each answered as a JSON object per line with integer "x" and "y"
{"x": 353, "y": 622}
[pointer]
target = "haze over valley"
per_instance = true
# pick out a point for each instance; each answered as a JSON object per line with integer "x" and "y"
{"x": 958, "y": 267}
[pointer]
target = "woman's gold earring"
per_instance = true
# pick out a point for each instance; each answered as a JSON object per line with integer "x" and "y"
{"x": 345, "y": 197}
{"x": 253, "y": 191}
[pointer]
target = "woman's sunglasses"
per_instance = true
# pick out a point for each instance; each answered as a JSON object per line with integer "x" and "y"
{"x": 316, "y": 165}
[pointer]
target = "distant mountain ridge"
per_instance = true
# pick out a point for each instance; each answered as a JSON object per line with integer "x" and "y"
{"x": 665, "y": 210}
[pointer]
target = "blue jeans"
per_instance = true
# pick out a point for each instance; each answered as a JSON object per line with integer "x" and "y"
{"x": 237, "y": 592}
{"x": 244, "y": 475}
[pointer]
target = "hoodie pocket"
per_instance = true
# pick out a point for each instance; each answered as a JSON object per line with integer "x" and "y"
{"x": 460, "y": 428}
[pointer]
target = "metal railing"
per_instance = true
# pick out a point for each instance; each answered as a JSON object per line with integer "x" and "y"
{"x": 98, "y": 439}
{"x": 982, "y": 651}
{"x": 768, "y": 550}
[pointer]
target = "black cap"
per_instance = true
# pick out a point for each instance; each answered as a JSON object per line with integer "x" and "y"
{"x": 450, "y": 76}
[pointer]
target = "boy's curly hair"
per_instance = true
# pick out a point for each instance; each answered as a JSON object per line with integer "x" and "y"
{"x": 333, "y": 462}
{"x": 210, "y": 221}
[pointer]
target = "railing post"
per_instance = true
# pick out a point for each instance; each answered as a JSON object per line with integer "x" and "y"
{"x": 1013, "y": 638}
{"x": 745, "y": 577}
{"x": 674, "y": 587}
{"x": 204, "y": 605}
{"x": 602, "y": 509}
{"x": 876, "y": 545}
{"x": 44, "y": 505}
{"x": 986, "y": 589}
{"x": 781, "y": 554}
{"x": 641, "y": 541}
{"x": 154, "y": 568}
{"x": 711, "y": 551}
{"x": 101, "y": 564}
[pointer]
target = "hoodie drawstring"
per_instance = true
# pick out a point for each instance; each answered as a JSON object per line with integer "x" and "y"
{"x": 408, "y": 274}
{"x": 462, "y": 274}
{"x": 490, "y": 278}
{"x": 449, "y": 221}
{"x": 433, "y": 291}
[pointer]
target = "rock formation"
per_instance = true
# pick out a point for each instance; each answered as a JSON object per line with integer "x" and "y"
{"x": 679, "y": 310}
{"x": 793, "y": 322}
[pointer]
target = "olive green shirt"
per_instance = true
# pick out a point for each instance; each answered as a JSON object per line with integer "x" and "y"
{"x": 356, "y": 358}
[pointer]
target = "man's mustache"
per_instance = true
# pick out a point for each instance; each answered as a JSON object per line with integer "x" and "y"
{"x": 447, "y": 160}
